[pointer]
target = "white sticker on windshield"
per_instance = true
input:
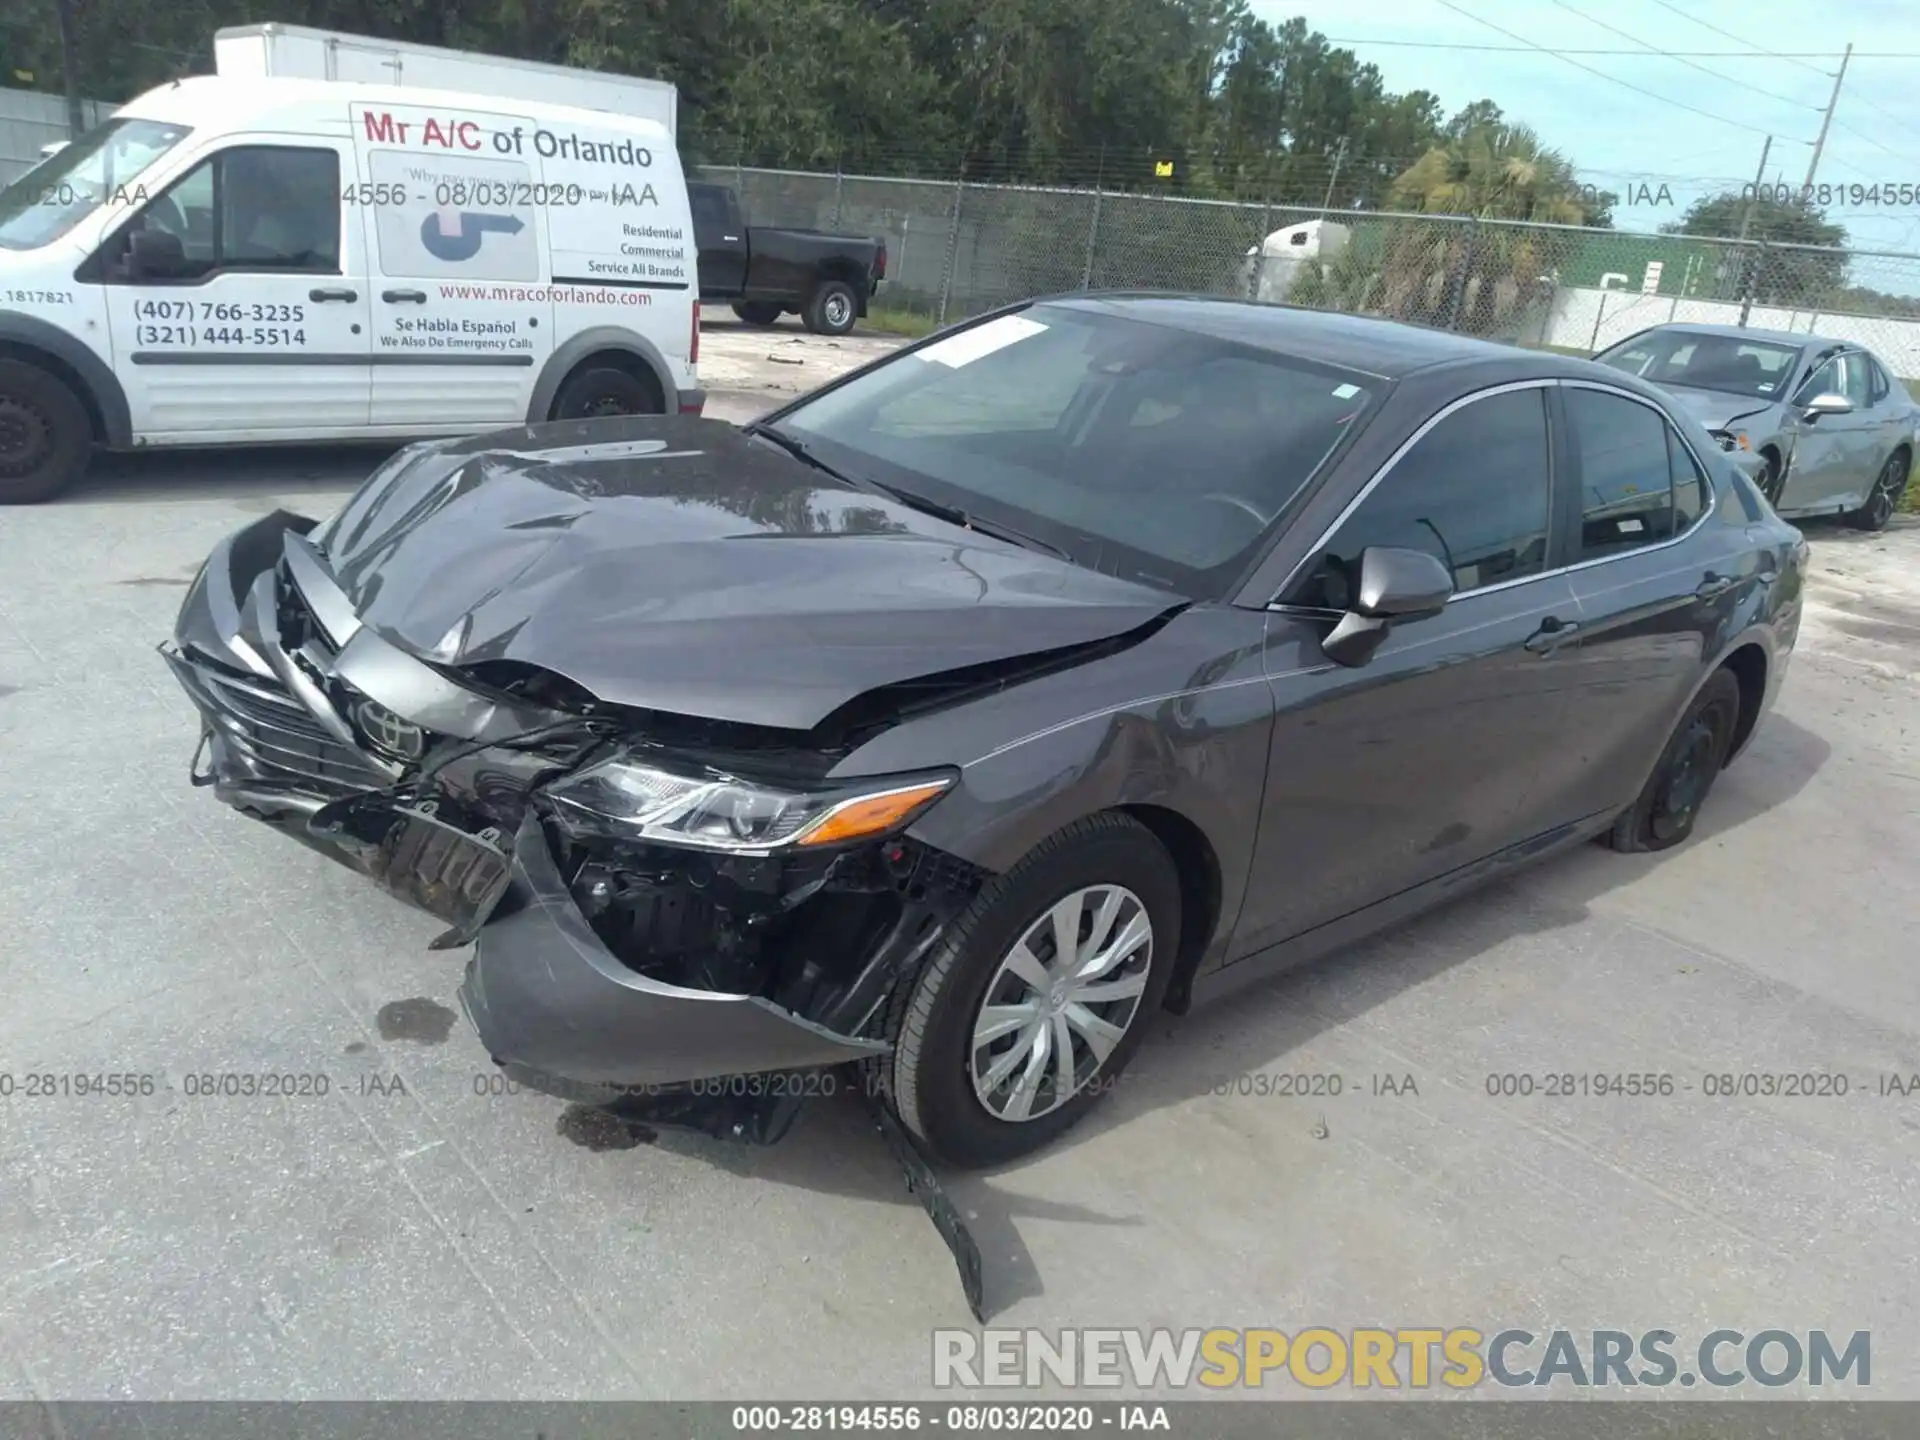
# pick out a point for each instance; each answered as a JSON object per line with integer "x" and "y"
{"x": 1345, "y": 392}
{"x": 969, "y": 345}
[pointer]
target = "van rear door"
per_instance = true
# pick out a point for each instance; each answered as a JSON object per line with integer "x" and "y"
{"x": 462, "y": 318}
{"x": 237, "y": 297}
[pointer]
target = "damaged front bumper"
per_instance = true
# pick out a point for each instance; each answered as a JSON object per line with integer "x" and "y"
{"x": 331, "y": 734}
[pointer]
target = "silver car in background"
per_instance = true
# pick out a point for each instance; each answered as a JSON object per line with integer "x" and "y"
{"x": 1823, "y": 425}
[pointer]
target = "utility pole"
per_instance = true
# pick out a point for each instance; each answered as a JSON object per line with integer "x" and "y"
{"x": 1339, "y": 154}
{"x": 1753, "y": 195}
{"x": 1827, "y": 119}
{"x": 75, "y": 124}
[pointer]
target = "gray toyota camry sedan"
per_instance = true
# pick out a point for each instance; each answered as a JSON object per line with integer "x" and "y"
{"x": 1824, "y": 425}
{"x": 1088, "y": 659}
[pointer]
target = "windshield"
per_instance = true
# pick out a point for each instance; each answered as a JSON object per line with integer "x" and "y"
{"x": 1707, "y": 362}
{"x": 101, "y": 167}
{"x": 1134, "y": 448}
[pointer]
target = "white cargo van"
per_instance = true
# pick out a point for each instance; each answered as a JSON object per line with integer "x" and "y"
{"x": 294, "y": 52}
{"x": 232, "y": 261}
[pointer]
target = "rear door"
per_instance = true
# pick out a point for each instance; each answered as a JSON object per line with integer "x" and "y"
{"x": 453, "y": 204}
{"x": 238, "y": 298}
{"x": 1654, "y": 583}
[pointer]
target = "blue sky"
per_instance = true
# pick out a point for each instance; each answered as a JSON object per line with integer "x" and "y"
{"x": 1619, "y": 138}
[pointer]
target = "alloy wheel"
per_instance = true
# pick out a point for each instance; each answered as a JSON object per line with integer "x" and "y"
{"x": 837, "y": 310}
{"x": 1060, "y": 1001}
{"x": 1886, "y": 492}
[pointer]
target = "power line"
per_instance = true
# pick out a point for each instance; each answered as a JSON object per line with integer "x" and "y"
{"x": 1624, "y": 84}
{"x": 1696, "y": 20}
{"x": 1655, "y": 49}
{"x": 1637, "y": 54}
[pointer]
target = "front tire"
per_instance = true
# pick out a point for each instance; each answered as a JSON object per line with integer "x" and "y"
{"x": 831, "y": 309}
{"x": 977, "y": 1072}
{"x": 757, "y": 312}
{"x": 1769, "y": 478}
{"x": 1889, "y": 487}
{"x": 603, "y": 391}
{"x": 1669, "y": 804}
{"x": 46, "y": 438}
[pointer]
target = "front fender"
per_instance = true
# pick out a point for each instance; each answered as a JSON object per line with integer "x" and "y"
{"x": 1181, "y": 723}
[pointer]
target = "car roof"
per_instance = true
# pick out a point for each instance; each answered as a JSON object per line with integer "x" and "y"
{"x": 1382, "y": 349}
{"x": 1795, "y": 338}
{"x": 1386, "y": 349}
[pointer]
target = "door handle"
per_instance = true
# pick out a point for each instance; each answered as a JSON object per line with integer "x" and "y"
{"x": 394, "y": 297}
{"x": 320, "y": 297}
{"x": 1713, "y": 586}
{"x": 1552, "y": 634}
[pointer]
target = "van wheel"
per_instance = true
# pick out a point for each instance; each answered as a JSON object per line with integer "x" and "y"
{"x": 46, "y": 438}
{"x": 831, "y": 309}
{"x": 602, "y": 392}
{"x": 757, "y": 312}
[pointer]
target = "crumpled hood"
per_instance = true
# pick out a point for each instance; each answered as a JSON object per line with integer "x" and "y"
{"x": 1717, "y": 410}
{"x": 677, "y": 564}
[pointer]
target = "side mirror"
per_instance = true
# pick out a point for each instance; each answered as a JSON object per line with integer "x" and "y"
{"x": 1827, "y": 404}
{"x": 1395, "y": 585}
{"x": 155, "y": 254}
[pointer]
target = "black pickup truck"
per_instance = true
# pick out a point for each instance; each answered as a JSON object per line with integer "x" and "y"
{"x": 764, "y": 272}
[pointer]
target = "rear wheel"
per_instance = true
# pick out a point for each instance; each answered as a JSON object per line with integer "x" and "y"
{"x": 1664, "y": 814}
{"x": 46, "y": 438}
{"x": 602, "y": 391}
{"x": 832, "y": 308}
{"x": 1889, "y": 486}
{"x": 757, "y": 312}
{"x": 1039, "y": 994}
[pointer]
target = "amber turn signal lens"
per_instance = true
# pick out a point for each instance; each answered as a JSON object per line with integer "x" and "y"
{"x": 870, "y": 814}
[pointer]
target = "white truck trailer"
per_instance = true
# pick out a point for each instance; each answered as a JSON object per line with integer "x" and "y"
{"x": 297, "y": 53}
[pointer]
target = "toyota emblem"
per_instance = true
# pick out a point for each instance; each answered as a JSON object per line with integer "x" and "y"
{"x": 390, "y": 733}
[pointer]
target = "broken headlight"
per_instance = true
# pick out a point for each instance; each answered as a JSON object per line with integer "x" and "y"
{"x": 634, "y": 797}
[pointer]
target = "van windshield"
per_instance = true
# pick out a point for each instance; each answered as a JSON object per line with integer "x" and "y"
{"x": 102, "y": 167}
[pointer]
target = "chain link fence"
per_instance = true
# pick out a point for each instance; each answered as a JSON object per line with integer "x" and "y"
{"x": 958, "y": 249}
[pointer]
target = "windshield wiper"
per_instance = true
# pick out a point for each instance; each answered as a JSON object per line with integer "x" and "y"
{"x": 954, "y": 515}
{"x": 798, "y": 450}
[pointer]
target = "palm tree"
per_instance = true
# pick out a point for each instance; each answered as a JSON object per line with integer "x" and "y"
{"x": 1487, "y": 172}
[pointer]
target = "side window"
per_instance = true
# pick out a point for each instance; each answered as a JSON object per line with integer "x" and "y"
{"x": 1826, "y": 380}
{"x": 1878, "y": 385}
{"x": 1473, "y": 492}
{"x": 709, "y": 212}
{"x": 1626, "y": 472}
{"x": 1853, "y": 378}
{"x": 1689, "y": 485}
{"x": 251, "y": 208}
{"x": 280, "y": 209}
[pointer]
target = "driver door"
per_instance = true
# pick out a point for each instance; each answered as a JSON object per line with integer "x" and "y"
{"x": 1423, "y": 760}
{"x": 1830, "y": 453}
{"x": 238, "y": 302}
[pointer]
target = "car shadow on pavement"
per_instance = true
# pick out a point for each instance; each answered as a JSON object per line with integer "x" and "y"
{"x": 250, "y": 478}
{"x": 834, "y": 1148}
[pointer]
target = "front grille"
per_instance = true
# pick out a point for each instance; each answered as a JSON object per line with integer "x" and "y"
{"x": 276, "y": 736}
